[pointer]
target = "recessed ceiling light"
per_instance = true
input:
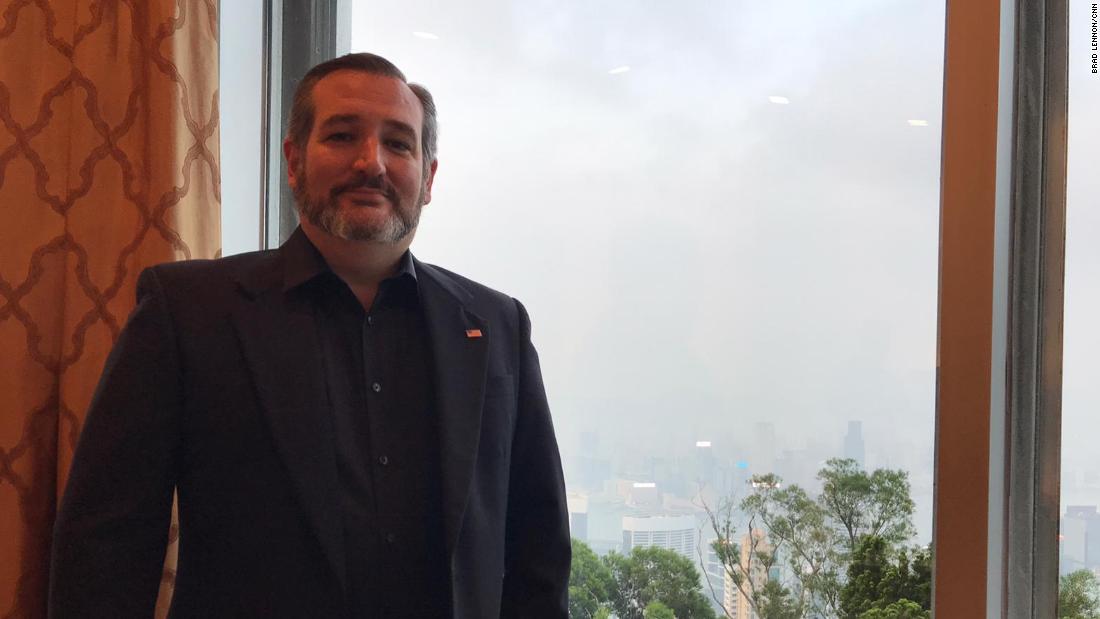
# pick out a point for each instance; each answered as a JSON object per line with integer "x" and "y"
{"x": 618, "y": 70}
{"x": 425, "y": 35}
{"x": 702, "y": 443}
{"x": 779, "y": 100}
{"x": 918, "y": 123}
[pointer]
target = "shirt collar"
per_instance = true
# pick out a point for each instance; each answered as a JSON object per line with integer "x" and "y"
{"x": 302, "y": 262}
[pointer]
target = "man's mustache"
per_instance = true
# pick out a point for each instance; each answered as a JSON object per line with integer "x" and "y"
{"x": 362, "y": 181}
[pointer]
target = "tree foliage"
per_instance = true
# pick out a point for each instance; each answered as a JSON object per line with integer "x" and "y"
{"x": 775, "y": 601}
{"x": 875, "y": 504}
{"x": 657, "y": 610}
{"x": 865, "y": 573}
{"x": 881, "y": 584}
{"x": 649, "y": 575}
{"x": 1079, "y": 596}
{"x": 814, "y": 539}
{"x": 590, "y": 584}
{"x": 797, "y": 530}
{"x": 902, "y": 609}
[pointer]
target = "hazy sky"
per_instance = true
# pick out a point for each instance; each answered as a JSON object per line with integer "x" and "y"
{"x": 703, "y": 257}
{"x": 696, "y": 258}
{"x": 1080, "y": 387}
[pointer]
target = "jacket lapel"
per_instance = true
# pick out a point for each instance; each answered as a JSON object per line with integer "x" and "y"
{"x": 281, "y": 347}
{"x": 461, "y": 358}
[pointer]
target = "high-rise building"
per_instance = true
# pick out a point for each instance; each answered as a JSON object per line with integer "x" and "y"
{"x": 604, "y": 521}
{"x": 705, "y": 466}
{"x": 589, "y": 470}
{"x": 853, "y": 443}
{"x": 714, "y": 573}
{"x": 643, "y": 495}
{"x": 754, "y": 575}
{"x": 578, "y": 515}
{"x": 1080, "y": 539}
{"x": 676, "y": 532}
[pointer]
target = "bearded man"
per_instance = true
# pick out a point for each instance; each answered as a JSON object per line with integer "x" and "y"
{"x": 351, "y": 432}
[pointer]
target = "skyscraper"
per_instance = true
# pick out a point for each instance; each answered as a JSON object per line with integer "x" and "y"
{"x": 1080, "y": 539}
{"x": 754, "y": 575}
{"x": 671, "y": 532}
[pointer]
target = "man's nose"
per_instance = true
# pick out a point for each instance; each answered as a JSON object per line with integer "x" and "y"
{"x": 370, "y": 160}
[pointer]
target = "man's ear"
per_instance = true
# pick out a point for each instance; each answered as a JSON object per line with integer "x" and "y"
{"x": 292, "y": 154}
{"x": 428, "y": 181}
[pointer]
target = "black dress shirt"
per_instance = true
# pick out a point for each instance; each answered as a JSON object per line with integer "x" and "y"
{"x": 378, "y": 367}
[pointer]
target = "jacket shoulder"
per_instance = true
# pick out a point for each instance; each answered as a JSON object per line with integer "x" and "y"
{"x": 463, "y": 286}
{"x": 230, "y": 268}
{"x": 202, "y": 286}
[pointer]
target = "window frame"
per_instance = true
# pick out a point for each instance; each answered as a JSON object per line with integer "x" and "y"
{"x": 1001, "y": 271}
{"x": 1001, "y": 278}
{"x": 298, "y": 35}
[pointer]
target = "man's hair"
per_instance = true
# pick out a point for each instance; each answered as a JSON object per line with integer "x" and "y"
{"x": 302, "y": 110}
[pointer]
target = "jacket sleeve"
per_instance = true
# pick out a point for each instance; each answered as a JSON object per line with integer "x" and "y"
{"x": 112, "y": 527}
{"x": 536, "y": 579}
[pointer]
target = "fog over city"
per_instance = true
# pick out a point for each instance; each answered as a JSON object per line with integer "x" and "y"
{"x": 716, "y": 213}
{"x": 697, "y": 258}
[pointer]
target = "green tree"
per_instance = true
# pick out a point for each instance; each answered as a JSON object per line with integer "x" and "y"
{"x": 1079, "y": 596}
{"x": 796, "y": 534}
{"x": 656, "y": 575}
{"x": 865, "y": 573}
{"x": 879, "y": 581}
{"x": 657, "y": 610}
{"x": 775, "y": 601}
{"x": 867, "y": 504}
{"x": 909, "y": 578}
{"x": 902, "y": 609}
{"x": 814, "y": 539}
{"x": 590, "y": 583}
{"x": 751, "y": 578}
{"x": 801, "y": 532}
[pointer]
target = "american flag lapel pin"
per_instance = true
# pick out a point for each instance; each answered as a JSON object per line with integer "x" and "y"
{"x": 473, "y": 333}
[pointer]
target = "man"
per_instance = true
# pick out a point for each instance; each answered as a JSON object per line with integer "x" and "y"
{"x": 352, "y": 433}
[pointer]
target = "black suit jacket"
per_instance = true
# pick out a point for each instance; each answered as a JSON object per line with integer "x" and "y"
{"x": 215, "y": 388}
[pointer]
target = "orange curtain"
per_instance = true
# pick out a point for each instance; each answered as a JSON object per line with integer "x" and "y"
{"x": 108, "y": 164}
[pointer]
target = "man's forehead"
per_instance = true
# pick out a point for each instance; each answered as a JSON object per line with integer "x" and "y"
{"x": 350, "y": 92}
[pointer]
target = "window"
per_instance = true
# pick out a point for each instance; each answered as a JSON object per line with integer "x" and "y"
{"x": 733, "y": 218}
{"x": 240, "y": 101}
{"x": 732, "y": 214}
{"x": 1080, "y": 522}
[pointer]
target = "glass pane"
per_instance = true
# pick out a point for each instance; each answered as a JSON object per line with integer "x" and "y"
{"x": 240, "y": 105}
{"x": 723, "y": 219}
{"x": 1080, "y": 526}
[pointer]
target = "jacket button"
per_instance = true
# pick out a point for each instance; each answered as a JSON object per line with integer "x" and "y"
{"x": 383, "y": 460}
{"x": 376, "y": 387}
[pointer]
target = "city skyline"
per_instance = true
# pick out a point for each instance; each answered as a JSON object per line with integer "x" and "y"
{"x": 805, "y": 463}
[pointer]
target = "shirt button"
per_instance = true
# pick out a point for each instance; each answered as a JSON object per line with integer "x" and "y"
{"x": 376, "y": 387}
{"x": 390, "y": 538}
{"x": 383, "y": 460}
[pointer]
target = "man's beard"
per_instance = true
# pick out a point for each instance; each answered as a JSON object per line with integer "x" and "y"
{"x": 327, "y": 215}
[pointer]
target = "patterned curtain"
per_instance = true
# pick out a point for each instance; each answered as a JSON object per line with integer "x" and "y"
{"x": 108, "y": 164}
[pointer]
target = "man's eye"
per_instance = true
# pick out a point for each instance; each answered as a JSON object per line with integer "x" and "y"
{"x": 341, "y": 136}
{"x": 400, "y": 145}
